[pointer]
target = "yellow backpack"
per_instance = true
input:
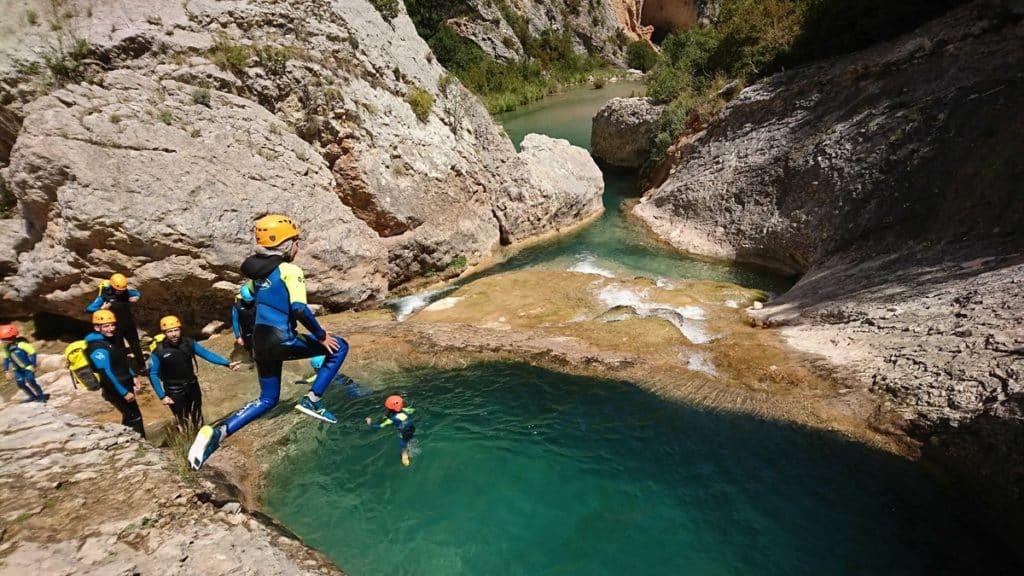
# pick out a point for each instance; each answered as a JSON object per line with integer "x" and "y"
{"x": 78, "y": 363}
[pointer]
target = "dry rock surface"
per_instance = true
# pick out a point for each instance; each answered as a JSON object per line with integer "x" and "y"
{"x": 623, "y": 131}
{"x": 88, "y": 498}
{"x": 218, "y": 111}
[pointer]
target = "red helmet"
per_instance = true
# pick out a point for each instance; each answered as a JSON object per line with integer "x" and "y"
{"x": 394, "y": 403}
{"x": 10, "y": 331}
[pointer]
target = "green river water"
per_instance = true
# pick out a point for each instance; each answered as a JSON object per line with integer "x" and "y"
{"x": 518, "y": 470}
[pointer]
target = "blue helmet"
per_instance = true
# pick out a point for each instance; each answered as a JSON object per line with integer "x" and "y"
{"x": 245, "y": 293}
{"x": 317, "y": 361}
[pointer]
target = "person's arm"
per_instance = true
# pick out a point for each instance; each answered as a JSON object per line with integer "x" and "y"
{"x": 211, "y": 357}
{"x": 154, "y": 376}
{"x": 101, "y": 361}
{"x": 95, "y": 304}
{"x": 133, "y": 293}
{"x": 296, "y": 284}
{"x": 382, "y": 424}
{"x": 234, "y": 322}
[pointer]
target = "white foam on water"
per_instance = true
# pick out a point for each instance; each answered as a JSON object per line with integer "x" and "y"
{"x": 732, "y": 304}
{"x": 443, "y": 303}
{"x": 663, "y": 283}
{"x": 698, "y": 362}
{"x": 686, "y": 319}
{"x": 409, "y": 305}
{"x": 587, "y": 264}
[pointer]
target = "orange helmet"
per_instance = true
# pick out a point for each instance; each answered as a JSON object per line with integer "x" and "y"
{"x": 8, "y": 332}
{"x": 273, "y": 229}
{"x": 168, "y": 322}
{"x": 119, "y": 282}
{"x": 394, "y": 403}
{"x": 103, "y": 317}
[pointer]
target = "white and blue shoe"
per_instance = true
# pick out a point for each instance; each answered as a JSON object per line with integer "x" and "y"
{"x": 316, "y": 410}
{"x": 206, "y": 443}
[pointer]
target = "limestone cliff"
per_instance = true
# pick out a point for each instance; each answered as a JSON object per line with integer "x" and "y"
{"x": 601, "y": 28}
{"x": 889, "y": 179}
{"x": 328, "y": 112}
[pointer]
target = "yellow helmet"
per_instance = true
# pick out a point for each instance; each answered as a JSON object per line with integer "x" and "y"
{"x": 103, "y": 317}
{"x": 168, "y": 322}
{"x": 273, "y": 229}
{"x": 119, "y": 282}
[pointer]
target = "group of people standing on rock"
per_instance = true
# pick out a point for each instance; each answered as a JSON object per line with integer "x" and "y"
{"x": 265, "y": 316}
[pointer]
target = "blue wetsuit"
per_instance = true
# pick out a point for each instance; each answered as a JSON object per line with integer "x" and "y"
{"x": 280, "y": 291}
{"x": 120, "y": 305}
{"x": 173, "y": 364}
{"x": 402, "y": 422}
{"x": 21, "y": 356}
{"x": 108, "y": 360}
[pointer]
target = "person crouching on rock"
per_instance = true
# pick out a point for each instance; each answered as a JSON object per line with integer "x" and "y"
{"x": 172, "y": 371}
{"x": 116, "y": 296}
{"x": 280, "y": 292}
{"x": 108, "y": 359}
{"x": 20, "y": 359}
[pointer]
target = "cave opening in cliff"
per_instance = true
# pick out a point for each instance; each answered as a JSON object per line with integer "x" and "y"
{"x": 665, "y": 17}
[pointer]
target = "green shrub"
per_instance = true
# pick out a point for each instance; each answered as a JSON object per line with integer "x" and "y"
{"x": 229, "y": 56}
{"x": 457, "y": 263}
{"x": 388, "y": 8}
{"x": 272, "y": 59}
{"x": 32, "y": 17}
{"x": 421, "y": 102}
{"x": 641, "y": 56}
{"x": 201, "y": 96}
{"x": 166, "y": 116}
{"x": 66, "y": 64}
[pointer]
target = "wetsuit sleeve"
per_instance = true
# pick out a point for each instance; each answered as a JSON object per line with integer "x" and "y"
{"x": 7, "y": 360}
{"x": 383, "y": 423}
{"x": 296, "y": 284}
{"x": 133, "y": 293}
{"x": 211, "y": 357}
{"x": 154, "y": 376}
{"x": 95, "y": 304}
{"x": 101, "y": 361}
{"x": 30, "y": 356}
{"x": 234, "y": 322}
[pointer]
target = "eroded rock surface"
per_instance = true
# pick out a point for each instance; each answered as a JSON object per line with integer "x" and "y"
{"x": 129, "y": 175}
{"x": 429, "y": 185}
{"x": 886, "y": 178}
{"x": 87, "y": 498}
{"x": 623, "y": 131}
{"x": 561, "y": 176}
{"x": 861, "y": 154}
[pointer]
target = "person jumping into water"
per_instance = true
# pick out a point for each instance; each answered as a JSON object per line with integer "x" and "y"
{"x": 280, "y": 292}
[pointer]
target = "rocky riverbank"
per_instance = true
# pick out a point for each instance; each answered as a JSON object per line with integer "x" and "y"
{"x": 887, "y": 179}
{"x": 82, "y": 497}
